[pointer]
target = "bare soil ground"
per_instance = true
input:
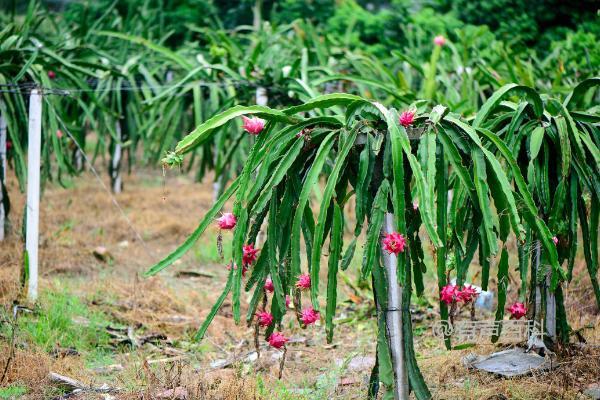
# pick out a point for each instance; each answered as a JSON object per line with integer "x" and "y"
{"x": 78, "y": 220}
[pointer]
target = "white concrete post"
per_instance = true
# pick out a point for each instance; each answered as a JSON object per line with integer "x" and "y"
{"x": 257, "y": 12}
{"x": 117, "y": 182}
{"x": 3, "y": 176}
{"x": 550, "y": 315}
{"x": 262, "y": 97}
{"x": 393, "y": 317}
{"x": 33, "y": 190}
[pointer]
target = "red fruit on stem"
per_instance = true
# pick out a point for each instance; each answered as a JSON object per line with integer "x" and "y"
{"x": 269, "y": 287}
{"x": 448, "y": 293}
{"x": 264, "y": 318}
{"x": 277, "y": 340}
{"x": 407, "y": 118}
{"x": 517, "y": 310}
{"x": 250, "y": 254}
{"x": 253, "y": 125}
{"x": 227, "y": 221}
{"x": 303, "y": 282}
{"x": 394, "y": 243}
{"x": 467, "y": 294}
{"x": 309, "y": 316}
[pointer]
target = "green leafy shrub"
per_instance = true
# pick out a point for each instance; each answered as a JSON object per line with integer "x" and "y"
{"x": 375, "y": 31}
{"x": 316, "y": 11}
{"x": 579, "y": 53}
{"x": 156, "y": 18}
{"x": 522, "y": 19}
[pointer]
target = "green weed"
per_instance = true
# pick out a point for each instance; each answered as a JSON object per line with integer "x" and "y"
{"x": 12, "y": 392}
{"x": 207, "y": 253}
{"x": 62, "y": 320}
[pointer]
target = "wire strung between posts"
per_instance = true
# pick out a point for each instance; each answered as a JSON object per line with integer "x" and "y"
{"x": 126, "y": 86}
{"x": 107, "y": 190}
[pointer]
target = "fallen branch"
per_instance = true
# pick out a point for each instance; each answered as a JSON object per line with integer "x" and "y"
{"x": 193, "y": 274}
{"x": 73, "y": 384}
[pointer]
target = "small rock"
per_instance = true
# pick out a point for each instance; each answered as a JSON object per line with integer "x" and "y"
{"x": 361, "y": 363}
{"x": 593, "y": 391}
{"x": 102, "y": 254}
{"x": 178, "y": 319}
{"x": 251, "y": 357}
{"x": 124, "y": 244}
{"x": 220, "y": 375}
{"x": 109, "y": 369}
{"x": 80, "y": 321}
{"x": 179, "y": 393}
{"x": 220, "y": 363}
{"x": 346, "y": 381}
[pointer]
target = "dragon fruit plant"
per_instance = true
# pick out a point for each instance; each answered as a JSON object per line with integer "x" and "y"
{"x": 399, "y": 172}
{"x": 554, "y": 150}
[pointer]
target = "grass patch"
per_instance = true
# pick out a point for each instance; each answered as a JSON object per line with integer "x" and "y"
{"x": 12, "y": 392}
{"x": 207, "y": 252}
{"x": 62, "y": 320}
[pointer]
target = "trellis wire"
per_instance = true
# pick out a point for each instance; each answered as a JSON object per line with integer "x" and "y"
{"x": 107, "y": 190}
{"x": 26, "y": 87}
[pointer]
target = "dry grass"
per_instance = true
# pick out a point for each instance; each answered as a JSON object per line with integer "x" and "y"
{"x": 28, "y": 368}
{"x": 570, "y": 375}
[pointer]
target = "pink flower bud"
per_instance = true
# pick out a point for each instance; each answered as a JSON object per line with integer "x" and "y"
{"x": 468, "y": 294}
{"x": 269, "y": 287}
{"x": 264, "y": 318}
{"x": 309, "y": 316}
{"x": 448, "y": 294}
{"x": 416, "y": 205}
{"x": 517, "y": 310}
{"x": 555, "y": 240}
{"x": 227, "y": 221}
{"x": 288, "y": 300}
{"x": 394, "y": 243}
{"x": 439, "y": 40}
{"x": 407, "y": 118}
{"x": 59, "y": 134}
{"x": 277, "y": 340}
{"x": 303, "y": 282}
{"x": 249, "y": 254}
{"x": 253, "y": 125}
